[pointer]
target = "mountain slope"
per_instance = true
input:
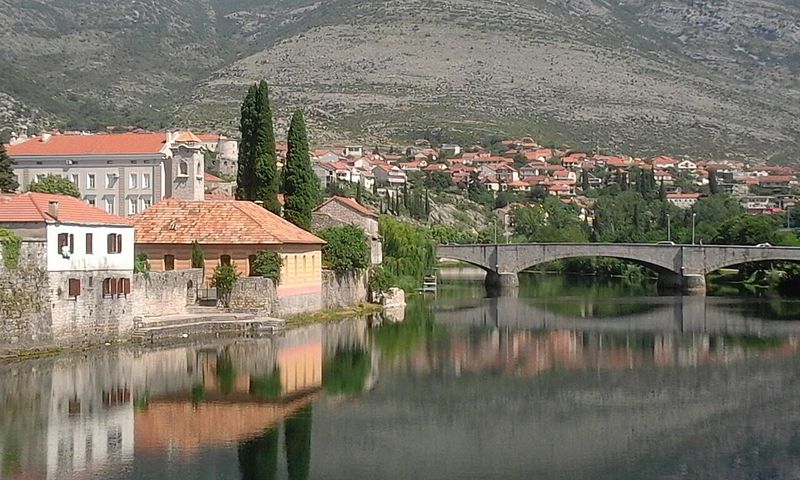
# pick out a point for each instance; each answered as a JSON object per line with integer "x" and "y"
{"x": 681, "y": 76}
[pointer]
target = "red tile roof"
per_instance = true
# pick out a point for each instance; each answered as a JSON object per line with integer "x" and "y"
{"x": 223, "y": 222}
{"x": 187, "y": 137}
{"x": 33, "y": 207}
{"x": 208, "y": 177}
{"x": 94, "y": 144}
{"x": 350, "y": 203}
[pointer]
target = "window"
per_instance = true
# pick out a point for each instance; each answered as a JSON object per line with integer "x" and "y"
{"x": 132, "y": 205}
{"x": 108, "y": 286}
{"x": 144, "y": 203}
{"x": 110, "y": 204}
{"x": 251, "y": 262}
{"x": 90, "y": 181}
{"x": 225, "y": 260}
{"x": 40, "y": 177}
{"x": 111, "y": 180}
{"x": 197, "y": 171}
{"x": 91, "y": 201}
{"x": 183, "y": 168}
{"x": 75, "y": 179}
{"x": 145, "y": 180}
{"x": 66, "y": 243}
{"x": 123, "y": 286}
{"x": 74, "y": 287}
{"x": 133, "y": 180}
{"x": 114, "y": 243}
{"x": 169, "y": 262}
{"x": 89, "y": 244}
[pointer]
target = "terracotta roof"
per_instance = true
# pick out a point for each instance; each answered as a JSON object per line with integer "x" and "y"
{"x": 682, "y": 195}
{"x": 218, "y": 196}
{"x": 216, "y": 222}
{"x": 208, "y": 177}
{"x": 33, "y": 207}
{"x": 187, "y": 137}
{"x": 350, "y": 203}
{"x": 94, "y": 144}
{"x": 209, "y": 137}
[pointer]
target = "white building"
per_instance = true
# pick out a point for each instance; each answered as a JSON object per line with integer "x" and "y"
{"x": 87, "y": 257}
{"x": 683, "y": 200}
{"x": 123, "y": 173}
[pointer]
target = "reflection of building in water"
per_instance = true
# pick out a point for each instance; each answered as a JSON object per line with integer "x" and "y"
{"x": 90, "y": 423}
{"x": 528, "y": 352}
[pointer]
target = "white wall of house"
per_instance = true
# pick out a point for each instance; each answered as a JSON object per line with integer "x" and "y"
{"x": 99, "y": 259}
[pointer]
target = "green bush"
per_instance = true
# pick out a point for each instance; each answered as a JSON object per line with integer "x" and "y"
{"x": 141, "y": 264}
{"x": 198, "y": 259}
{"x": 55, "y": 184}
{"x": 224, "y": 278}
{"x": 268, "y": 265}
{"x": 12, "y": 247}
{"x": 346, "y": 248}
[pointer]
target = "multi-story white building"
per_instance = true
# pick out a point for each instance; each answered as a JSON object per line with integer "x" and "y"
{"x": 85, "y": 257}
{"x": 122, "y": 173}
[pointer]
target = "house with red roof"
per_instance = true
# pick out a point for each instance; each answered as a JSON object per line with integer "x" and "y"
{"x": 338, "y": 211}
{"x": 120, "y": 173}
{"x": 683, "y": 200}
{"x": 86, "y": 257}
{"x": 232, "y": 232}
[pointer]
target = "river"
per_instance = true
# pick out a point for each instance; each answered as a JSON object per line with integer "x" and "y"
{"x": 569, "y": 379}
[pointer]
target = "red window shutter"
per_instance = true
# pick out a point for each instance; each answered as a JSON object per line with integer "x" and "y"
{"x": 126, "y": 286}
{"x": 74, "y": 287}
{"x": 63, "y": 241}
{"x": 89, "y": 245}
{"x": 106, "y": 286}
{"x": 113, "y": 286}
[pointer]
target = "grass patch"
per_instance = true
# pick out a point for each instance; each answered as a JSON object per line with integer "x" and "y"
{"x": 332, "y": 315}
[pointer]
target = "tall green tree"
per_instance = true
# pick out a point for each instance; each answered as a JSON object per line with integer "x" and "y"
{"x": 198, "y": 259}
{"x": 257, "y": 175}
{"x": 301, "y": 184}
{"x": 8, "y": 180}
{"x": 55, "y": 184}
{"x": 713, "y": 183}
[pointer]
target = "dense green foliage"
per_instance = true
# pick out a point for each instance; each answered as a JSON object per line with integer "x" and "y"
{"x": 408, "y": 250}
{"x": 225, "y": 276}
{"x": 345, "y": 373}
{"x": 300, "y": 183}
{"x": 198, "y": 258}
{"x": 55, "y": 184}
{"x": 11, "y": 244}
{"x": 141, "y": 264}
{"x": 752, "y": 230}
{"x": 8, "y": 179}
{"x": 551, "y": 221}
{"x": 257, "y": 175}
{"x": 268, "y": 265}
{"x": 346, "y": 249}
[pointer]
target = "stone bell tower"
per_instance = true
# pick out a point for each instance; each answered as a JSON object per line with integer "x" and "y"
{"x": 187, "y": 167}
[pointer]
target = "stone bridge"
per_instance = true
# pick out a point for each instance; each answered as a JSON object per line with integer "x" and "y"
{"x": 678, "y": 266}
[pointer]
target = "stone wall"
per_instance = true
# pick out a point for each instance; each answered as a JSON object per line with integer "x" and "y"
{"x": 24, "y": 307}
{"x": 254, "y": 293}
{"x": 165, "y": 293}
{"x": 343, "y": 290}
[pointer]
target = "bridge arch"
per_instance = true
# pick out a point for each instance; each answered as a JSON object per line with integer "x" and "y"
{"x": 747, "y": 255}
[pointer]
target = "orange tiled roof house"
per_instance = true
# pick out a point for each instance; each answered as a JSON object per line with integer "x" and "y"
{"x": 232, "y": 231}
{"x": 73, "y": 279}
{"x": 120, "y": 173}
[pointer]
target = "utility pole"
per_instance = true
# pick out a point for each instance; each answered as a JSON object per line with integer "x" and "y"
{"x": 694, "y": 217}
{"x": 669, "y": 228}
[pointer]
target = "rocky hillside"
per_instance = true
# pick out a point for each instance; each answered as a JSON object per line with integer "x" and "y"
{"x": 679, "y": 76}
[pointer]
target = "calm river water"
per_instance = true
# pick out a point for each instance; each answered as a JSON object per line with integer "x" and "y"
{"x": 571, "y": 379}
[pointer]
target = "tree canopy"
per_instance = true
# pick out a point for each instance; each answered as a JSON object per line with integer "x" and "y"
{"x": 257, "y": 175}
{"x": 55, "y": 184}
{"x": 300, "y": 183}
{"x": 8, "y": 179}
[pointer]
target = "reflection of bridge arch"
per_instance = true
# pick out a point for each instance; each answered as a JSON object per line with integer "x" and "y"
{"x": 687, "y": 315}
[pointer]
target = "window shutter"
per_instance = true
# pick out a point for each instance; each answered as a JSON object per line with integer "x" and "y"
{"x": 106, "y": 286}
{"x": 113, "y": 286}
{"x": 63, "y": 241}
{"x": 71, "y": 243}
{"x": 120, "y": 286}
{"x": 126, "y": 286}
{"x": 119, "y": 243}
{"x": 110, "y": 243}
{"x": 74, "y": 287}
{"x": 89, "y": 245}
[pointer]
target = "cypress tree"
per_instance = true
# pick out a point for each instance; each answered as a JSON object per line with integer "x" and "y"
{"x": 198, "y": 259}
{"x": 8, "y": 180}
{"x": 257, "y": 175}
{"x": 713, "y": 184}
{"x": 246, "y": 160}
{"x": 300, "y": 182}
{"x": 662, "y": 192}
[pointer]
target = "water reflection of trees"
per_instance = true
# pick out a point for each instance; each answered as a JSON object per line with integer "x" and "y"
{"x": 346, "y": 372}
{"x": 258, "y": 458}
{"x": 297, "y": 430}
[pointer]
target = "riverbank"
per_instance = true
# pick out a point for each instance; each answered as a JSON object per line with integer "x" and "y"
{"x": 9, "y": 355}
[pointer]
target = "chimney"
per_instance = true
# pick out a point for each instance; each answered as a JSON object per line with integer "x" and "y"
{"x": 52, "y": 209}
